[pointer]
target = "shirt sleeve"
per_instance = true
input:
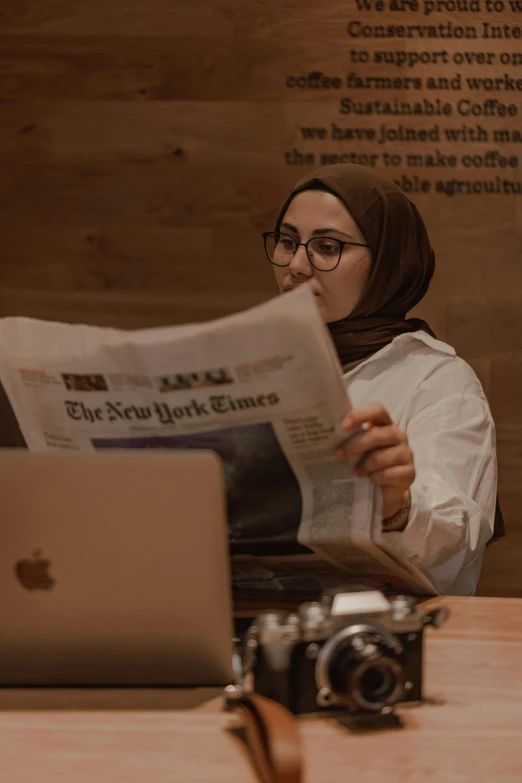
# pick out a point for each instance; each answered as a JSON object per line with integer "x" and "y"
{"x": 452, "y": 436}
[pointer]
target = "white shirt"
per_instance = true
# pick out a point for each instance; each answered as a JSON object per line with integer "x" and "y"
{"x": 436, "y": 398}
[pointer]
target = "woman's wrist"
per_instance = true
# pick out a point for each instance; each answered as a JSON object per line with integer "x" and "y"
{"x": 398, "y": 521}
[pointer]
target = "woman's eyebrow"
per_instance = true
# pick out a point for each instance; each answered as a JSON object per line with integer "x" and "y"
{"x": 318, "y": 231}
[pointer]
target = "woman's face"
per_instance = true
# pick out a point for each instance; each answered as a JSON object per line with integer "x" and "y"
{"x": 316, "y": 212}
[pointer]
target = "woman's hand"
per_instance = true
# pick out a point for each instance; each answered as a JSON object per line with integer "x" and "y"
{"x": 385, "y": 455}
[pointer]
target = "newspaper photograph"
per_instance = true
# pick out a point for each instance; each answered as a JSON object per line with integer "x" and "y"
{"x": 262, "y": 388}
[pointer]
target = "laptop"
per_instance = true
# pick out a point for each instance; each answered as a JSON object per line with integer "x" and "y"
{"x": 114, "y": 569}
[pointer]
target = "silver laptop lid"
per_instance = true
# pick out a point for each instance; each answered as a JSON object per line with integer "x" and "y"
{"x": 114, "y": 569}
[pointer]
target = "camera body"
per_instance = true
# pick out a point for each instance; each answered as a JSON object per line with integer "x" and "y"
{"x": 354, "y": 650}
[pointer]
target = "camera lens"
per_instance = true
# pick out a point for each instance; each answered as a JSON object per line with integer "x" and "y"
{"x": 358, "y": 668}
{"x": 377, "y": 684}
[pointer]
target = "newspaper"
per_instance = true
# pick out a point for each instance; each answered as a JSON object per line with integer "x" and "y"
{"x": 262, "y": 388}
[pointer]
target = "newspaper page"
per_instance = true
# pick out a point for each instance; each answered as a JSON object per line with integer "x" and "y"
{"x": 262, "y": 388}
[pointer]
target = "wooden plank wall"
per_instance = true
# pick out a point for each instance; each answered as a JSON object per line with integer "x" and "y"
{"x": 142, "y": 153}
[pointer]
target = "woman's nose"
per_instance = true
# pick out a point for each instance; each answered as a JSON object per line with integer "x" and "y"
{"x": 300, "y": 263}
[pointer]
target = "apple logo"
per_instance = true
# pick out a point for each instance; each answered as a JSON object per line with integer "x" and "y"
{"x": 34, "y": 574}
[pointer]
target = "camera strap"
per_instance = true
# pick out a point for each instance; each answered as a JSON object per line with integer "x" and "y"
{"x": 271, "y": 735}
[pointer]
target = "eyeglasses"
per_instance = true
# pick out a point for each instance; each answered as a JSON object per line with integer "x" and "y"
{"x": 324, "y": 253}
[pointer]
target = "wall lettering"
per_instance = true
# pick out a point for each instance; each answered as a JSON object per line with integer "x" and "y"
{"x": 434, "y": 103}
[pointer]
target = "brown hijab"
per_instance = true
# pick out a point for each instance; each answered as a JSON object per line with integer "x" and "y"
{"x": 403, "y": 260}
{"x": 403, "y": 263}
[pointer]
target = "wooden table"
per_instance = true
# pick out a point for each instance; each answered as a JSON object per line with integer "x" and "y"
{"x": 470, "y": 729}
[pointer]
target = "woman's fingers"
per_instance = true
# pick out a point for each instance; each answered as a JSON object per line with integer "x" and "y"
{"x": 373, "y": 438}
{"x": 384, "y": 459}
{"x": 401, "y": 476}
{"x": 383, "y": 451}
{"x": 374, "y": 413}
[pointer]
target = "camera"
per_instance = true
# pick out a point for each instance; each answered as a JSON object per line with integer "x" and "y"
{"x": 354, "y": 649}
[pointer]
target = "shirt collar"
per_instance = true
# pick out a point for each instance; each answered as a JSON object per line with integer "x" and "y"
{"x": 424, "y": 337}
{"x": 403, "y": 339}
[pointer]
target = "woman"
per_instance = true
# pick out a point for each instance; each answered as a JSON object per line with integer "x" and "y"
{"x": 428, "y": 438}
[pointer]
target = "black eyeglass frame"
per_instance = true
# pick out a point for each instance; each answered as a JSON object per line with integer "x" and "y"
{"x": 341, "y": 242}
